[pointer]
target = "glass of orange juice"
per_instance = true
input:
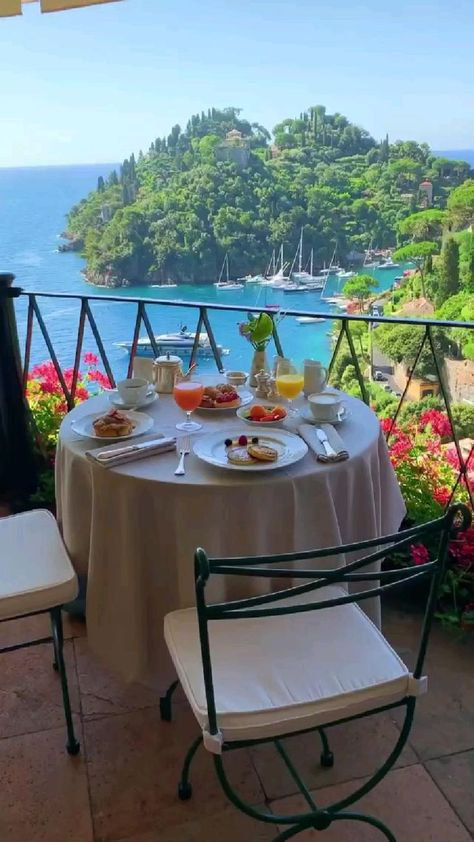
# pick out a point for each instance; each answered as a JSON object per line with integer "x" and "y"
{"x": 188, "y": 395}
{"x": 289, "y": 382}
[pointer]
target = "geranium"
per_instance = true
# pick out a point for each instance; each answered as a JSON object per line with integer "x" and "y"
{"x": 438, "y": 422}
{"x": 419, "y": 554}
{"x": 90, "y": 359}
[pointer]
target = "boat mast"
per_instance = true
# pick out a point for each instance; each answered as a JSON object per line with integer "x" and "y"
{"x": 222, "y": 270}
{"x": 227, "y": 265}
{"x": 311, "y": 263}
{"x": 300, "y": 260}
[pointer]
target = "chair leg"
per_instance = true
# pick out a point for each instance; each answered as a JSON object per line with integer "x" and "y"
{"x": 327, "y": 757}
{"x": 185, "y": 789}
{"x": 72, "y": 744}
{"x": 165, "y": 703}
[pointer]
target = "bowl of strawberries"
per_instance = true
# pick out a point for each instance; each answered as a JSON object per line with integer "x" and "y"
{"x": 267, "y": 415}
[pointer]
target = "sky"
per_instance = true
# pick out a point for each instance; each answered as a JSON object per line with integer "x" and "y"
{"x": 94, "y": 84}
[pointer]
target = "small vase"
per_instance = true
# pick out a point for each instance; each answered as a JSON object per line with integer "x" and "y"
{"x": 259, "y": 362}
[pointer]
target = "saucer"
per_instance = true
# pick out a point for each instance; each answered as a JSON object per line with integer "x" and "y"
{"x": 308, "y": 416}
{"x": 117, "y": 401}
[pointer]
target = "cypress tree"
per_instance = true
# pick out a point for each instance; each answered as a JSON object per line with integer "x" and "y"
{"x": 100, "y": 184}
{"x": 448, "y": 284}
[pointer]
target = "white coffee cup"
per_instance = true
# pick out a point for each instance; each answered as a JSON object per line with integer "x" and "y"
{"x": 315, "y": 377}
{"x": 325, "y": 406}
{"x": 133, "y": 390}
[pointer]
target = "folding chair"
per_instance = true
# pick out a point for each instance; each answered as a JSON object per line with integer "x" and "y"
{"x": 305, "y": 658}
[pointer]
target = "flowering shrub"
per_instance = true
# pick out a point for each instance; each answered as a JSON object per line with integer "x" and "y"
{"x": 48, "y": 406}
{"x": 427, "y": 471}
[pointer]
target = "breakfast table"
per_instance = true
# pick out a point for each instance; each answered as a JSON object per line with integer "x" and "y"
{"x": 132, "y": 529}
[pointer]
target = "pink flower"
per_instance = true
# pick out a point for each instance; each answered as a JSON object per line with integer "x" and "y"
{"x": 90, "y": 359}
{"x": 442, "y": 496}
{"x": 419, "y": 554}
{"x": 102, "y": 379}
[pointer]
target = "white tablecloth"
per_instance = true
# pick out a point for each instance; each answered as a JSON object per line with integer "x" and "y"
{"x": 133, "y": 529}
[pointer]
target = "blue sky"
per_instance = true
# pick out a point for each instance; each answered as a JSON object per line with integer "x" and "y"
{"x": 96, "y": 84}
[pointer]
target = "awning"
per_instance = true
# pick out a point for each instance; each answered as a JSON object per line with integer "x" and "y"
{"x": 8, "y": 8}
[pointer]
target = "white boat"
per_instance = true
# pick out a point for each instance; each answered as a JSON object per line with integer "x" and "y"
{"x": 278, "y": 276}
{"x": 252, "y": 279}
{"x": 227, "y": 284}
{"x": 309, "y": 320}
{"x": 181, "y": 343}
{"x": 389, "y": 264}
{"x": 345, "y": 275}
{"x": 168, "y": 285}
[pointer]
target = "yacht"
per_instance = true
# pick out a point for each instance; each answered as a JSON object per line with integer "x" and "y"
{"x": 252, "y": 279}
{"x": 168, "y": 285}
{"x": 389, "y": 264}
{"x": 181, "y": 343}
{"x": 345, "y": 275}
{"x": 227, "y": 284}
{"x": 310, "y": 320}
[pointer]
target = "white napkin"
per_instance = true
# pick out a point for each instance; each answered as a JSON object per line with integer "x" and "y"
{"x": 114, "y": 455}
{"x": 308, "y": 433}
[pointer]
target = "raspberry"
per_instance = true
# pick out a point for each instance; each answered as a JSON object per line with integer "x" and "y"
{"x": 243, "y": 440}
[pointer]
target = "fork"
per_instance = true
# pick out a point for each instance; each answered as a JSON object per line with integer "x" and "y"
{"x": 184, "y": 447}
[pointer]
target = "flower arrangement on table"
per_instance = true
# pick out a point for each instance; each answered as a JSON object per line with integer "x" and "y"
{"x": 48, "y": 406}
{"x": 427, "y": 469}
{"x": 258, "y": 330}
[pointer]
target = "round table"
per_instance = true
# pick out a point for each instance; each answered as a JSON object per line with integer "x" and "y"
{"x": 133, "y": 529}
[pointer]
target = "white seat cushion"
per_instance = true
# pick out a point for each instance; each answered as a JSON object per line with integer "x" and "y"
{"x": 277, "y": 675}
{"x": 35, "y": 571}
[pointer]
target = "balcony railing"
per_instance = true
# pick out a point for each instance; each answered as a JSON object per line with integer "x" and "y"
{"x": 202, "y": 310}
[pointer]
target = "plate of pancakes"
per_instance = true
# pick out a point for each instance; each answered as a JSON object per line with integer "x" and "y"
{"x": 112, "y": 425}
{"x": 241, "y": 452}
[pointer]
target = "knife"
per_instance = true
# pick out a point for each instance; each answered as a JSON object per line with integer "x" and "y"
{"x": 133, "y": 448}
{"x": 325, "y": 442}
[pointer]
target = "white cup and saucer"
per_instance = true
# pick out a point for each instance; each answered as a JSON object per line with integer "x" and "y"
{"x": 132, "y": 392}
{"x": 326, "y": 407}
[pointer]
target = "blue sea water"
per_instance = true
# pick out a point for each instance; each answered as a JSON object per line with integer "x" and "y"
{"x": 33, "y": 207}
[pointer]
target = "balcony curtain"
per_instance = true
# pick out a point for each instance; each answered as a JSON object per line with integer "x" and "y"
{"x": 9, "y": 8}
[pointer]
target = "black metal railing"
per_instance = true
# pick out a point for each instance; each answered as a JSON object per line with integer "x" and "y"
{"x": 342, "y": 333}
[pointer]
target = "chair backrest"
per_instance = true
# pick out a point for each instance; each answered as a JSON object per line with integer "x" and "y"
{"x": 456, "y": 519}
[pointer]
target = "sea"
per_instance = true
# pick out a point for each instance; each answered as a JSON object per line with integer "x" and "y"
{"x": 33, "y": 207}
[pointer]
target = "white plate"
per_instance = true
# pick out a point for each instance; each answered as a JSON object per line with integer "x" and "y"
{"x": 211, "y": 449}
{"x": 262, "y": 424}
{"x": 245, "y": 398}
{"x": 83, "y": 426}
{"x": 308, "y": 416}
{"x": 117, "y": 401}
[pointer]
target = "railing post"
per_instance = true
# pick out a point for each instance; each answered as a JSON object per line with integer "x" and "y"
{"x": 18, "y": 474}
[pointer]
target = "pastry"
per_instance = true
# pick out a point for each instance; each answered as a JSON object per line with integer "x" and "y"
{"x": 113, "y": 424}
{"x": 240, "y": 456}
{"x": 222, "y": 396}
{"x": 262, "y": 453}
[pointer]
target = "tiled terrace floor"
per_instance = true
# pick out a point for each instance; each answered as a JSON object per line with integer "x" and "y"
{"x": 122, "y": 787}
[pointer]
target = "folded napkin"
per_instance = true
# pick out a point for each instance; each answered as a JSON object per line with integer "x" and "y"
{"x": 308, "y": 433}
{"x": 113, "y": 455}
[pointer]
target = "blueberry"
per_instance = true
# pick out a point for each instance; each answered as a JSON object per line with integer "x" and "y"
{"x": 228, "y": 442}
{"x": 255, "y": 440}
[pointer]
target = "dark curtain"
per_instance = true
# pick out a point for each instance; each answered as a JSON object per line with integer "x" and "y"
{"x": 18, "y": 473}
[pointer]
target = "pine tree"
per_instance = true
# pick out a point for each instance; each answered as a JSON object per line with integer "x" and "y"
{"x": 448, "y": 284}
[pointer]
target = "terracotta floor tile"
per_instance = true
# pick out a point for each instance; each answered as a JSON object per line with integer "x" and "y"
{"x": 101, "y": 691}
{"x": 134, "y": 763}
{"x": 30, "y": 690}
{"x": 407, "y": 801}
{"x": 25, "y": 629}
{"x": 359, "y": 747}
{"x": 229, "y": 825}
{"x": 455, "y": 777}
{"x": 43, "y": 791}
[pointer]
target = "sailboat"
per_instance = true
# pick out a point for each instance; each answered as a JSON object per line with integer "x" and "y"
{"x": 369, "y": 264}
{"x": 278, "y": 277}
{"x": 227, "y": 284}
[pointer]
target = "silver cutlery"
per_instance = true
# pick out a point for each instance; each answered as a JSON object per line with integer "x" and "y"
{"x": 184, "y": 447}
{"x": 325, "y": 443}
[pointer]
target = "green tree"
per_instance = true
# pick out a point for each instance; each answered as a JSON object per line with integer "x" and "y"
{"x": 100, "y": 184}
{"x": 360, "y": 287}
{"x": 419, "y": 254}
{"x": 448, "y": 275}
{"x": 424, "y": 225}
{"x": 461, "y": 204}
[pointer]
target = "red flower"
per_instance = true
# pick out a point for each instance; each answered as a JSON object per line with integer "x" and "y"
{"x": 419, "y": 554}
{"x": 442, "y": 496}
{"x": 438, "y": 421}
{"x": 100, "y": 378}
{"x": 90, "y": 359}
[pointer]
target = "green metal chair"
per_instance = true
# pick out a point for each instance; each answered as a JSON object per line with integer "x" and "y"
{"x": 305, "y": 658}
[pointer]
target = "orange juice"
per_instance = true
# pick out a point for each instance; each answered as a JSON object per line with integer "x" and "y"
{"x": 289, "y": 385}
{"x": 187, "y": 395}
